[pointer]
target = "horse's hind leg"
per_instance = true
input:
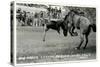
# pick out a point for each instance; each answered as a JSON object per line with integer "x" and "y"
{"x": 86, "y": 37}
{"x": 81, "y": 40}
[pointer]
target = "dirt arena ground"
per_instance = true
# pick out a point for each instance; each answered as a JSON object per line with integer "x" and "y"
{"x": 31, "y": 48}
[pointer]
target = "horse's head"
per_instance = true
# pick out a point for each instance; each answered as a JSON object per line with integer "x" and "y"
{"x": 65, "y": 23}
{"x": 64, "y": 27}
{"x": 68, "y": 20}
{"x": 73, "y": 12}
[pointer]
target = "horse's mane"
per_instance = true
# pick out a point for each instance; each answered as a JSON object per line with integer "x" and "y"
{"x": 70, "y": 13}
{"x": 66, "y": 17}
{"x": 76, "y": 12}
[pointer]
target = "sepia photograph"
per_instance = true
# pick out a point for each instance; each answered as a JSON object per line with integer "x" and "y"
{"x": 54, "y": 33}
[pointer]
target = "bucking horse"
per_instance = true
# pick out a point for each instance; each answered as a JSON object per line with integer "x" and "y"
{"x": 71, "y": 22}
{"x": 74, "y": 21}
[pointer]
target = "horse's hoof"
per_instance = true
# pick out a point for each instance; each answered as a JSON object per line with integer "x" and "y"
{"x": 43, "y": 40}
{"x": 77, "y": 48}
{"x": 74, "y": 34}
{"x": 84, "y": 48}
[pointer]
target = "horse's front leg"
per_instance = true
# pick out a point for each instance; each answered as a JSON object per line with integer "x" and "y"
{"x": 73, "y": 31}
{"x": 70, "y": 29}
{"x": 81, "y": 40}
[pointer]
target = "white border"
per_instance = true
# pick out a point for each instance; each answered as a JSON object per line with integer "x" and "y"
{"x": 46, "y": 3}
{"x": 53, "y": 3}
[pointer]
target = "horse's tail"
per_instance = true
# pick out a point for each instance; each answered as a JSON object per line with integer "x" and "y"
{"x": 93, "y": 26}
